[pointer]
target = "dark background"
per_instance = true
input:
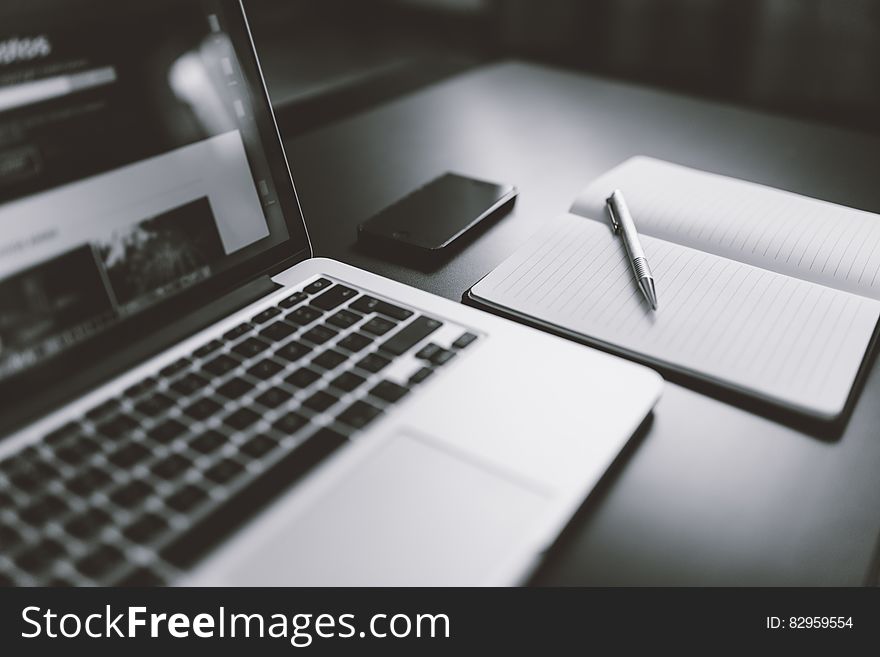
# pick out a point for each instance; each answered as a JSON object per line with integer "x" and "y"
{"x": 816, "y": 59}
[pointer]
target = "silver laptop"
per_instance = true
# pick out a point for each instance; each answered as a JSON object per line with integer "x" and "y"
{"x": 189, "y": 397}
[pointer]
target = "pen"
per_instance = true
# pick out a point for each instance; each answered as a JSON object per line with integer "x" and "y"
{"x": 622, "y": 223}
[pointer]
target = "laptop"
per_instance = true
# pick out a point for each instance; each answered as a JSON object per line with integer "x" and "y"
{"x": 189, "y": 397}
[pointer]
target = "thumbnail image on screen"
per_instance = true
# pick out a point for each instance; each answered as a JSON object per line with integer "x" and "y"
{"x": 161, "y": 254}
{"x": 53, "y": 305}
{"x": 49, "y": 306}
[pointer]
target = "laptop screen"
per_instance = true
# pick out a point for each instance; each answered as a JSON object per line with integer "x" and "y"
{"x": 132, "y": 165}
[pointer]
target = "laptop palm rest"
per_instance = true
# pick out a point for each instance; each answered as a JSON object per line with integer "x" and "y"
{"x": 412, "y": 513}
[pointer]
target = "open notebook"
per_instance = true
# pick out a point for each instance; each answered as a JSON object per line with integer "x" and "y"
{"x": 760, "y": 290}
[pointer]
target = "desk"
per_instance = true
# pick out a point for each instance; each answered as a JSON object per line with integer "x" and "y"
{"x": 711, "y": 495}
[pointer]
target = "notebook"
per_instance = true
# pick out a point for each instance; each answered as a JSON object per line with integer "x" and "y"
{"x": 763, "y": 291}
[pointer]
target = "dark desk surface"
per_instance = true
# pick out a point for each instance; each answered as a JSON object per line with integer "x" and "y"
{"x": 712, "y": 495}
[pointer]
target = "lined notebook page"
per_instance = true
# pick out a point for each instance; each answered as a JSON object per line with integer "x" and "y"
{"x": 791, "y": 234}
{"x": 788, "y": 340}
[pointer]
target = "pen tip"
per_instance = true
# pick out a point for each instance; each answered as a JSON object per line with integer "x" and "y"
{"x": 647, "y": 285}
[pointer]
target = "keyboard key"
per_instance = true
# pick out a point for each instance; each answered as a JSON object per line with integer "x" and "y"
{"x": 88, "y": 481}
{"x": 118, "y": 426}
{"x": 238, "y": 331}
{"x": 347, "y": 381}
{"x": 177, "y": 366}
{"x": 365, "y": 304}
{"x": 329, "y": 359}
{"x": 62, "y": 433}
{"x": 145, "y": 528}
{"x": 241, "y": 419}
{"x": 221, "y": 365}
{"x": 29, "y": 454}
{"x": 45, "y": 508}
{"x": 193, "y": 382}
{"x": 265, "y": 369}
{"x": 373, "y": 363}
{"x": 421, "y": 375}
{"x": 128, "y": 455}
{"x": 202, "y": 408}
{"x": 410, "y": 335}
{"x": 141, "y": 387}
{"x": 302, "y": 378}
{"x": 224, "y": 471}
{"x": 102, "y": 410}
{"x": 202, "y": 535}
{"x": 464, "y": 340}
{"x": 392, "y": 311}
{"x": 20, "y": 472}
{"x": 319, "y": 334}
{"x": 172, "y": 466}
{"x": 40, "y": 556}
{"x": 290, "y": 423}
{"x": 208, "y": 348}
{"x": 165, "y": 432}
{"x": 154, "y": 404}
{"x": 131, "y": 494}
{"x": 335, "y": 296}
{"x": 427, "y": 352}
{"x": 78, "y": 450}
{"x": 317, "y": 286}
{"x": 368, "y": 304}
{"x": 293, "y": 300}
{"x": 320, "y": 401}
{"x": 31, "y": 473}
{"x": 266, "y": 315}
{"x": 100, "y": 561}
{"x": 293, "y": 351}
{"x": 186, "y": 498}
{"x": 355, "y": 342}
{"x": 88, "y": 523}
{"x": 208, "y": 442}
{"x": 259, "y": 445}
{"x": 274, "y": 397}
{"x": 251, "y": 347}
{"x": 378, "y": 326}
{"x": 277, "y": 331}
{"x": 388, "y": 391}
{"x": 303, "y": 315}
{"x": 10, "y": 464}
{"x": 344, "y": 319}
{"x": 142, "y": 577}
{"x": 9, "y": 537}
{"x": 26, "y": 480}
{"x": 235, "y": 388}
{"x": 359, "y": 414}
{"x": 442, "y": 357}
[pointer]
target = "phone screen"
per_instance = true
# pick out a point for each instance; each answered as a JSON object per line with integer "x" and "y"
{"x": 435, "y": 214}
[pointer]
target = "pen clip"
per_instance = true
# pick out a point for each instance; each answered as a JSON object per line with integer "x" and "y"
{"x": 615, "y": 224}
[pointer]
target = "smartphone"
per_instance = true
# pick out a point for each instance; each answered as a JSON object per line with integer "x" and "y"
{"x": 437, "y": 213}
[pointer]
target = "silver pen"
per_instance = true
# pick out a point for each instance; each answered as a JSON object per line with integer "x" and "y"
{"x": 622, "y": 222}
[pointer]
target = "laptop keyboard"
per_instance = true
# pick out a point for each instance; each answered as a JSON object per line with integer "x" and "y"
{"x": 145, "y": 483}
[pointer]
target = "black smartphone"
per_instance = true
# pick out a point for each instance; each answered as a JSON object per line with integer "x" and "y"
{"x": 434, "y": 215}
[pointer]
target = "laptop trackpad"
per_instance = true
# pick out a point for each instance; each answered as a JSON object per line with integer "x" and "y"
{"x": 412, "y": 513}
